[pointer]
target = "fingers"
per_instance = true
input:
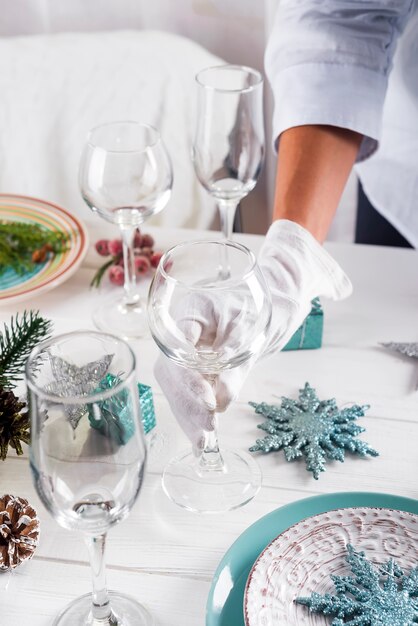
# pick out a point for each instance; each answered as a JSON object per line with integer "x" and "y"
{"x": 190, "y": 396}
{"x": 191, "y": 329}
{"x": 229, "y": 385}
{"x": 287, "y": 316}
{"x": 195, "y": 318}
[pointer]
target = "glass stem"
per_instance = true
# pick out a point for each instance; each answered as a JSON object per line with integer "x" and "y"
{"x": 210, "y": 458}
{"x": 128, "y": 233}
{"x": 227, "y": 209}
{"x": 101, "y": 610}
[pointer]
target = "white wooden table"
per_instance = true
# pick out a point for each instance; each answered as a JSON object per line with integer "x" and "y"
{"x": 166, "y": 557}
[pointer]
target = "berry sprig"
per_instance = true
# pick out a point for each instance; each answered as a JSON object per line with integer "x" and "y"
{"x": 145, "y": 258}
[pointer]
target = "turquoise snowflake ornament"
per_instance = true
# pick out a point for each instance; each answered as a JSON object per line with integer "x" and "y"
{"x": 374, "y": 596}
{"x": 313, "y": 428}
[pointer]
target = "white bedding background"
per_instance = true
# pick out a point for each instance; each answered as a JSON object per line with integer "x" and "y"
{"x": 54, "y": 88}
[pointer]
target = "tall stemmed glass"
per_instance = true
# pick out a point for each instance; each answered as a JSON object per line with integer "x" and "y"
{"x": 125, "y": 176}
{"x": 207, "y": 322}
{"x": 87, "y": 454}
{"x": 228, "y": 148}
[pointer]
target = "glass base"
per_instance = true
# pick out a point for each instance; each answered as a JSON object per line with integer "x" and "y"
{"x": 190, "y": 485}
{"x": 127, "y": 612}
{"x": 115, "y": 316}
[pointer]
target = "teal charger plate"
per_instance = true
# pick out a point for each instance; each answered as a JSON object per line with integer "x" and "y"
{"x": 225, "y": 602}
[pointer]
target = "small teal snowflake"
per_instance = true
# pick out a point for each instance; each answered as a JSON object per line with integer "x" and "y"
{"x": 309, "y": 427}
{"x": 374, "y": 596}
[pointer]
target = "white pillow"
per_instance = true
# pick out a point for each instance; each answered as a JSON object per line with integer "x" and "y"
{"x": 54, "y": 88}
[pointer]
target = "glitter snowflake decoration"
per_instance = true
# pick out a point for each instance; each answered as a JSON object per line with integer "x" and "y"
{"x": 313, "y": 428}
{"x": 374, "y": 596}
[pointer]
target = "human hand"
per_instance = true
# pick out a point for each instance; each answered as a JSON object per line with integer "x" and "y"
{"x": 294, "y": 264}
{"x": 296, "y": 269}
{"x": 224, "y": 330}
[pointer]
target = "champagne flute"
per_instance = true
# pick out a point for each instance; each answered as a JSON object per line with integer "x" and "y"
{"x": 189, "y": 301}
{"x": 228, "y": 148}
{"x": 125, "y": 176}
{"x": 87, "y": 454}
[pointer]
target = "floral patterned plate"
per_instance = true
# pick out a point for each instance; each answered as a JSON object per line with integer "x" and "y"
{"x": 302, "y": 559}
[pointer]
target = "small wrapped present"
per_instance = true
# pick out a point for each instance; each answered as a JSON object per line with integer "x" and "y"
{"x": 115, "y": 419}
{"x": 309, "y": 334}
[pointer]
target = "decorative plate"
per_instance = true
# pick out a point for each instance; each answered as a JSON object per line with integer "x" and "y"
{"x": 15, "y": 287}
{"x": 302, "y": 559}
{"x": 226, "y": 596}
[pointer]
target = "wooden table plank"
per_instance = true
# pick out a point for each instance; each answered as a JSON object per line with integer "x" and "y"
{"x": 166, "y": 555}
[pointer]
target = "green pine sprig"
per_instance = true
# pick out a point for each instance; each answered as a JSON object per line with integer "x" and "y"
{"x": 16, "y": 342}
{"x": 18, "y": 240}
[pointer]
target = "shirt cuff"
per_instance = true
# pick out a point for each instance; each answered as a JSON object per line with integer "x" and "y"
{"x": 346, "y": 96}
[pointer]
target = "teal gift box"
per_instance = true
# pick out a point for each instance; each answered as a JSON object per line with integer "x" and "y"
{"x": 309, "y": 334}
{"x": 115, "y": 416}
{"x": 146, "y": 403}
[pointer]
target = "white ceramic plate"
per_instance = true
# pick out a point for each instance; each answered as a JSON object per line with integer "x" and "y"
{"x": 44, "y": 276}
{"x": 301, "y": 559}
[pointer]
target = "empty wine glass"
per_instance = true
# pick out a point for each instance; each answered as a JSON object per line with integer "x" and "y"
{"x": 87, "y": 454}
{"x": 207, "y": 322}
{"x": 125, "y": 176}
{"x": 228, "y": 148}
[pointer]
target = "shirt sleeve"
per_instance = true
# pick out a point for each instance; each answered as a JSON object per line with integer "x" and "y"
{"x": 328, "y": 62}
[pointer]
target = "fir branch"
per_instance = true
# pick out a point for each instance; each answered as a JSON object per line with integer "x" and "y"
{"x": 16, "y": 343}
{"x": 18, "y": 240}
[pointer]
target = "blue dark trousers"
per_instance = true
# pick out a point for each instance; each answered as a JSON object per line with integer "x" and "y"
{"x": 373, "y": 228}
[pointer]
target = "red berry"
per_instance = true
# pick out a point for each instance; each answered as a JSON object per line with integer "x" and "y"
{"x": 115, "y": 247}
{"x": 137, "y": 239}
{"x": 142, "y": 264}
{"x": 155, "y": 258}
{"x": 147, "y": 241}
{"x": 147, "y": 252}
{"x": 117, "y": 275}
{"x": 102, "y": 247}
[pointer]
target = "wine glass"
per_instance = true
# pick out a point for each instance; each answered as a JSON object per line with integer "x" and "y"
{"x": 87, "y": 454}
{"x": 125, "y": 176}
{"x": 187, "y": 294}
{"x": 228, "y": 148}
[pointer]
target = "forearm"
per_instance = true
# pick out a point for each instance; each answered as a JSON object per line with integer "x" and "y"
{"x": 313, "y": 166}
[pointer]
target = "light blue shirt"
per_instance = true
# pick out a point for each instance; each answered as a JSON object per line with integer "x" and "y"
{"x": 330, "y": 62}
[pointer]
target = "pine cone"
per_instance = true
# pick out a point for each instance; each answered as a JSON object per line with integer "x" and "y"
{"x": 14, "y": 425}
{"x": 19, "y": 531}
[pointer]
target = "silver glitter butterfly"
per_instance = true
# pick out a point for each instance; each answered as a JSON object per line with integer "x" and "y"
{"x": 72, "y": 380}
